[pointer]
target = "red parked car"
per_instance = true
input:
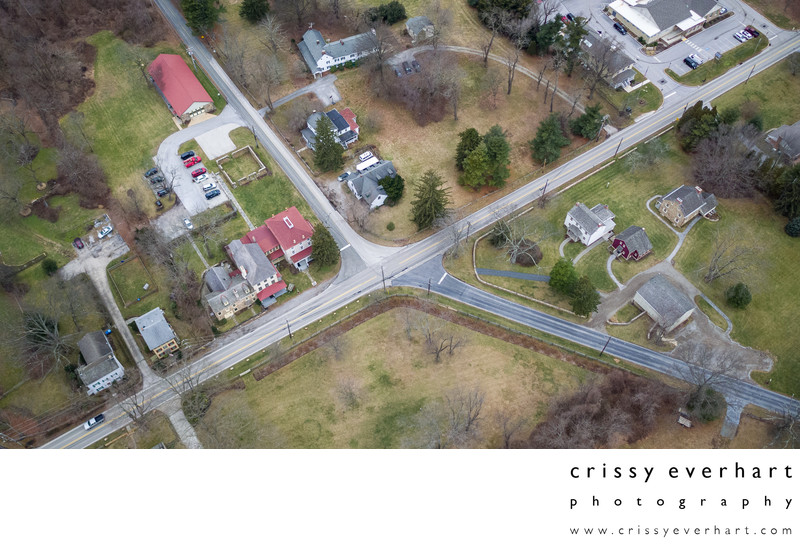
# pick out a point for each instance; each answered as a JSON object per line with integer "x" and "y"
{"x": 197, "y": 172}
{"x": 191, "y": 161}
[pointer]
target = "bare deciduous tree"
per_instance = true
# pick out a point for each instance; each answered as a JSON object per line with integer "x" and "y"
{"x": 272, "y": 35}
{"x": 295, "y": 10}
{"x": 599, "y": 62}
{"x": 338, "y": 346}
{"x": 709, "y": 371}
{"x": 134, "y": 403}
{"x": 509, "y": 425}
{"x": 235, "y": 55}
{"x": 734, "y": 177}
{"x": 271, "y": 74}
{"x": 490, "y": 84}
{"x": 786, "y": 430}
{"x": 441, "y": 18}
{"x": 465, "y": 409}
{"x": 729, "y": 255}
{"x": 493, "y": 20}
{"x": 381, "y": 42}
{"x": 348, "y": 392}
{"x": 517, "y": 31}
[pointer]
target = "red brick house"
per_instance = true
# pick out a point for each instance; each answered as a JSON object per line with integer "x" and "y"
{"x": 632, "y": 243}
{"x": 286, "y": 235}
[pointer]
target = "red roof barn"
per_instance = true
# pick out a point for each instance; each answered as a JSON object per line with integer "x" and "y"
{"x": 633, "y": 243}
{"x": 179, "y": 87}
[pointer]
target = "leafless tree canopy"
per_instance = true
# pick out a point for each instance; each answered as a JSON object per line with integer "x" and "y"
{"x": 348, "y": 392}
{"x": 509, "y": 425}
{"x": 452, "y": 423}
{"x": 599, "y": 61}
{"x": 724, "y": 163}
{"x": 786, "y": 431}
{"x": 729, "y": 255}
{"x": 604, "y": 413}
{"x": 517, "y": 31}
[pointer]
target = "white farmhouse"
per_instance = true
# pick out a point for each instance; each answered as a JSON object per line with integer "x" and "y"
{"x": 589, "y": 225}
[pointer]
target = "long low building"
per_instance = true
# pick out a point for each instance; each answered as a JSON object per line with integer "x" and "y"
{"x": 663, "y": 21}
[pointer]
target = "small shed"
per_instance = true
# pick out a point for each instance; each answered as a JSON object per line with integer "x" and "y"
{"x": 664, "y": 303}
{"x": 419, "y": 28}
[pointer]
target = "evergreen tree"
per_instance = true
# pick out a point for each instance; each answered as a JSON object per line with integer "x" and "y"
{"x": 574, "y": 35}
{"x": 498, "y": 151}
{"x": 788, "y": 204}
{"x": 392, "y": 12}
{"x": 792, "y": 227}
{"x": 470, "y": 139}
{"x": 476, "y": 168}
{"x": 394, "y": 186}
{"x": 738, "y": 296}
{"x": 544, "y": 37}
{"x": 588, "y": 124}
{"x": 696, "y": 124}
{"x": 563, "y": 276}
{"x": 324, "y": 249}
{"x": 585, "y": 297}
{"x": 327, "y": 151}
{"x": 201, "y": 15}
{"x": 430, "y": 200}
{"x": 546, "y": 146}
{"x": 253, "y": 10}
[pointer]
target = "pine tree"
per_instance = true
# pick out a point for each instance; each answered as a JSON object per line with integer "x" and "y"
{"x": 253, "y": 10}
{"x": 585, "y": 297}
{"x": 393, "y": 186}
{"x": 498, "y": 151}
{"x": 324, "y": 249}
{"x": 788, "y": 204}
{"x": 476, "y": 168}
{"x": 470, "y": 139}
{"x": 201, "y": 15}
{"x": 327, "y": 151}
{"x": 588, "y": 124}
{"x": 430, "y": 200}
{"x": 546, "y": 146}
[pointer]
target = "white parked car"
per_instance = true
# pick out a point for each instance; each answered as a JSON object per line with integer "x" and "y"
{"x": 104, "y": 232}
{"x": 188, "y": 223}
{"x": 201, "y": 178}
{"x": 209, "y": 186}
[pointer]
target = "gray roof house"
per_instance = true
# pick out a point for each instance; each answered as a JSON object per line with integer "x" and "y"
{"x": 419, "y": 28}
{"x": 664, "y": 303}
{"x": 230, "y": 293}
{"x": 589, "y": 225}
{"x": 365, "y": 185}
{"x": 101, "y": 368}
{"x": 686, "y": 202}
{"x": 620, "y": 65}
{"x": 320, "y": 56}
{"x": 253, "y": 264}
{"x": 632, "y": 242}
{"x": 786, "y": 141}
{"x": 665, "y": 21}
{"x": 157, "y": 333}
{"x": 344, "y": 132}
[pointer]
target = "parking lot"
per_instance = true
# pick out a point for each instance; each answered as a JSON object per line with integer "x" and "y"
{"x": 189, "y": 192}
{"x": 701, "y": 46}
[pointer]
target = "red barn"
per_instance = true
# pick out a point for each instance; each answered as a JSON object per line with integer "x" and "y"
{"x": 179, "y": 87}
{"x": 633, "y": 243}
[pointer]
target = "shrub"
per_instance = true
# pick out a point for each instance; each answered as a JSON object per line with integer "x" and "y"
{"x": 793, "y": 227}
{"x": 390, "y": 226}
{"x": 49, "y": 266}
{"x": 738, "y": 296}
{"x": 563, "y": 277}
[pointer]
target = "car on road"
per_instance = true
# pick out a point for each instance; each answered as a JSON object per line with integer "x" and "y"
{"x": 620, "y": 28}
{"x": 407, "y": 67}
{"x": 151, "y": 172}
{"x": 99, "y": 419}
{"x": 78, "y": 243}
{"x": 197, "y": 172}
{"x": 104, "y": 232}
{"x": 191, "y": 161}
{"x": 415, "y": 65}
{"x": 156, "y": 180}
{"x": 212, "y": 194}
{"x": 691, "y": 63}
{"x": 209, "y": 186}
{"x": 186, "y": 155}
{"x": 188, "y": 223}
{"x": 161, "y": 193}
{"x": 201, "y": 178}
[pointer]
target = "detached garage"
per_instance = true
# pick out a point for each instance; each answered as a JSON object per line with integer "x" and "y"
{"x": 179, "y": 87}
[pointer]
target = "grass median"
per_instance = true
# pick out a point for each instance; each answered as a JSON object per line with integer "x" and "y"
{"x": 715, "y": 68}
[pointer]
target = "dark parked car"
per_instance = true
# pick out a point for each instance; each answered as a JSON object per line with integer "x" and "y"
{"x": 212, "y": 194}
{"x": 416, "y": 66}
{"x": 397, "y": 72}
{"x": 691, "y": 63}
{"x": 571, "y": 17}
{"x": 159, "y": 205}
{"x": 620, "y": 28}
{"x": 156, "y": 180}
{"x": 407, "y": 67}
{"x": 187, "y": 155}
{"x": 78, "y": 243}
{"x": 752, "y": 31}
{"x": 151, "y": 172}
{"x": 161, "y": 193}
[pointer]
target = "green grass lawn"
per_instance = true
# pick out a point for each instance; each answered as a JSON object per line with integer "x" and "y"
{"x": 192, "y": 145}
{"x": 233, "y": 228}
{"x": 713, "y": 69}
{"x": 241, "y": 166}
{"x": 298, "y": 406}
{"x": 265, "y": 197}
{"x": 710, "y": 312}
{"x": 157, "y": 429}
{"x": 644, "y": 99}
{"x": 778, "y": 12}
{"x": 772, "y": 279}
{"x": 129, "y": 279}
{"x": 765, "y": 91}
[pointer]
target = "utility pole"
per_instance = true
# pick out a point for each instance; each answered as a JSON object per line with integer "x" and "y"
{"x": 429, "y": 286}
{"x": 751, "y": 73}
{"x": 544, "y": 192}
{"x": 617, "y": 150}
{"x": 291, "y": 336}
{"x": 605, "y": 346}
{"x": 384, "y": 281}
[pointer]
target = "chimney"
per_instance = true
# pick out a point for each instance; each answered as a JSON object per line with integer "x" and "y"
{"x": 341, "y": 42}
{"x": 699, "y": 190}
{"x": 243, "y": 271}
{"x": 317, "y": 42}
